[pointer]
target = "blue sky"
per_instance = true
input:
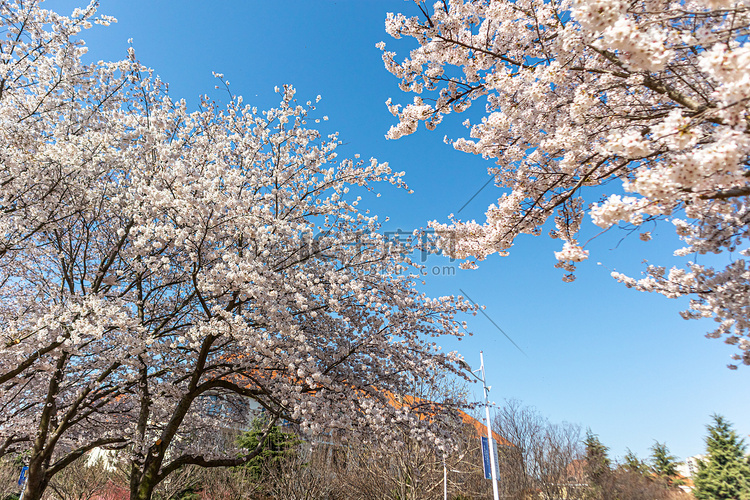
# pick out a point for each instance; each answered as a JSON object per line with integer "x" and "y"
{"x": 618, "y": 361}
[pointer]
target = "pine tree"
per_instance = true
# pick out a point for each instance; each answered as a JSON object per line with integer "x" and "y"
{"x": 277, "y": 445}
{"x": 725, "y": 473}
{"x": 598, "y": 468}
{"x": 663, "y": 465}
{"x": 635, "y": 464}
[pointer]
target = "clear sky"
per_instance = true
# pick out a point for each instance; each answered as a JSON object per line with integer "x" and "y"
{"x": 621, "y": 362}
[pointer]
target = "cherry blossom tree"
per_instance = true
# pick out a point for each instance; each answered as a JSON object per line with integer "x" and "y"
{"x": 60, "y": 120}
{"x": 158, "y": 263}
{"x": 280, "y": 289}
{"x": 648, "y": 98}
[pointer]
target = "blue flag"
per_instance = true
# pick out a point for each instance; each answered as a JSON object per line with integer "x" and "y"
{"x": 486, "y": 459}
{"x": 22, "y": 477}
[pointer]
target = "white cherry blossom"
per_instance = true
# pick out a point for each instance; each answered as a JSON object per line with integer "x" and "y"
{"x": 155, "y": 259}
{"x": 649, "y": 98}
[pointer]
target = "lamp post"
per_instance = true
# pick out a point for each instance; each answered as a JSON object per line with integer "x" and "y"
{"x": 445, "y": 480}
{"x": 493, "y": 458}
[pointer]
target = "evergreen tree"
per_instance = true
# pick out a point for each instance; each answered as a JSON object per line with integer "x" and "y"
{"x": 597, "y": 461}
{"x": 725, "y": 473}
{"x": 663, "y": 464}
{"x": 597, "y": 467}
{"x": 635, "y": 464}
{"x": 277, "y": 445}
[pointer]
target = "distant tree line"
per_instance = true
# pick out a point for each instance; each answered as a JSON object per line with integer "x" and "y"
{"x": 550, "y": 461}
{"x": 723, "y": 473}
{"x": 540, "y": 460}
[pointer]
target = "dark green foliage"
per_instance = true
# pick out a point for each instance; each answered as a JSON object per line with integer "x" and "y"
{"x": 725, "y": 473}
{"x": 598, "y": 468}
{"x": 635, "y": 464}
{"x": 597, "y": 462}
{"x": 277, "y": 445}
{"x": 663, "y": 464}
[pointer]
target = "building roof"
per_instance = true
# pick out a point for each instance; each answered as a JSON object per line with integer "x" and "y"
{"x": 413, "y": 401}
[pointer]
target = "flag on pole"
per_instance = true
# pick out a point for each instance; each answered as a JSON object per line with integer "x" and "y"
{"x": 22, "y": 477}
{"x": 486, "y": 458}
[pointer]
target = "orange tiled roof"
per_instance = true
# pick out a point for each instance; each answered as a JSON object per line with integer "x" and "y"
{"x": 479, "y": 427}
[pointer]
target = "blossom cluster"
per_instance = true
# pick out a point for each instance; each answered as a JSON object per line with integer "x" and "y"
{"x": 649, "y": 98}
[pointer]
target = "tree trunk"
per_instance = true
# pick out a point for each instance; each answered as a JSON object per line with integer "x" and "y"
{"x": 143, "y": 489}
{"x": 37, "y": 480}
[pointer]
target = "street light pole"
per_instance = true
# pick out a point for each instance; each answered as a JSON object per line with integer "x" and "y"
{"x": 445, "y": 480}
{"x": 489, "y": 429}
